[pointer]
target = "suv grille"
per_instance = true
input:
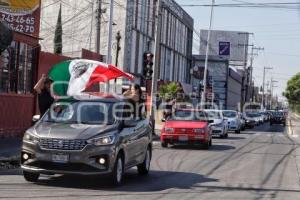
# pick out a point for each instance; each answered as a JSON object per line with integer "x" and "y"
{"x": 61, "y": 144}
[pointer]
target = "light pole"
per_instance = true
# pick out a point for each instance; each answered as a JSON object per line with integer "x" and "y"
{"x": 272, "y": 91}
{"x": 110, "y": 24}
{"x": 263, "y": 95}
{"x": 203, "y": 96}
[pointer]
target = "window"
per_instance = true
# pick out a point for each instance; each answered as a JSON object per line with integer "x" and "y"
{"x": 17, "y": 68}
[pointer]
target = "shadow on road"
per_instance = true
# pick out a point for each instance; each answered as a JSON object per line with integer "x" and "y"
{"x": 214, "y": 147}
{"x": 155, "y": 181}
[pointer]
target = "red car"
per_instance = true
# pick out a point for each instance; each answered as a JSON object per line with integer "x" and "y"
{"x": 187, "y": 126}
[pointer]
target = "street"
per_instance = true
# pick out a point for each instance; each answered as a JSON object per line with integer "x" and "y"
{"x": 259, "y": 163}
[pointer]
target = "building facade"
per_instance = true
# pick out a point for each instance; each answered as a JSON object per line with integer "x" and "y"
{"x": 224, "y": 83}
{"x": 135, "y": 20}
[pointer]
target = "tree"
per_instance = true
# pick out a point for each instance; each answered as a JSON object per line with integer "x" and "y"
{"x": 292, "y": 92}
{"x": 58, "y": 34}
{"x": 169, "y": 90}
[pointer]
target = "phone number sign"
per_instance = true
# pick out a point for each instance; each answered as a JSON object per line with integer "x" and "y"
{"x": 25, "y": 20}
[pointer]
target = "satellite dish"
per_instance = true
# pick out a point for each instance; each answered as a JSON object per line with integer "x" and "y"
{"x": 6, "y": 36}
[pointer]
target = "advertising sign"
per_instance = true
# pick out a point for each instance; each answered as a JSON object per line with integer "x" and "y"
{"x": 21, "y": 15}
{"x": 230, "y": 44}
{"x": 224, "y": 48}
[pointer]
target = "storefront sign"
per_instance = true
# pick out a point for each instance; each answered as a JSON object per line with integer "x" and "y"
{"x": 21, "y": 15}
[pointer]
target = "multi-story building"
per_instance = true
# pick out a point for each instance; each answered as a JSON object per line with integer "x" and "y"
{"x": 135, "y": 21}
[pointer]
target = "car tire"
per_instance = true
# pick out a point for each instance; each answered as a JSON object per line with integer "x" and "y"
{"x": 284, "y": 124}
{"x": 164, "y": 144}
{"x": 244, "y": 128}
{"x": 210, "y": 142}
{"x": 118, "y": 171}
{"x": 31, "y": 177}
{"x": 226, "y": 135}
{"x": 238, "y": 131}
{"x": 144, "y": 168}
{"x": 271, "y": 124}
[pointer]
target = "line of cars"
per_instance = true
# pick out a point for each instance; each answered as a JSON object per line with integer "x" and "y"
{"x": 194, "y": 126}
{"x": 99, "y": 136}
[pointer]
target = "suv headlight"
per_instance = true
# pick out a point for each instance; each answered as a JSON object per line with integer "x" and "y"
{"x": 28, "y": 137}
{"x": 199, "y": 130}
{"x": 103, "y": 140}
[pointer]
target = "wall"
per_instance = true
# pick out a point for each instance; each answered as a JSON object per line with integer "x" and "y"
{"x": 234, "y": 86}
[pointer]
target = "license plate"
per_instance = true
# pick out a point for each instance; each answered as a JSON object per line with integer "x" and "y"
{"x": 183, "y": 138}
{"x": 60, "y": 158}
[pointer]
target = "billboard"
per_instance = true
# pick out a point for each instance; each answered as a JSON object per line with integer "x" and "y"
{"x": 21, "y": 15}
{"x": 228, "y": 44}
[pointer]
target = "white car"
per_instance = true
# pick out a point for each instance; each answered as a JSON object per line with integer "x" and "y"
{"x": 234, "y": 121}
{"x": 220, "y": 125}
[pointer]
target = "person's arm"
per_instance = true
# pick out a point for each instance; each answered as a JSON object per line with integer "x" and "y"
{"x": 40, "y": 84}
{"x": 127, "y": 93}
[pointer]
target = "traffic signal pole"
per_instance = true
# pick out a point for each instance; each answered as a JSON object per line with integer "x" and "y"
{"x": 156, "y": 63}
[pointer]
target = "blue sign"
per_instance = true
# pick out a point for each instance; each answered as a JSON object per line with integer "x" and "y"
{"x": 224, "y": 48}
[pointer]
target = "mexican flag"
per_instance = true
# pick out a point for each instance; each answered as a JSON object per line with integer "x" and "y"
{"x": 74, "y": 76}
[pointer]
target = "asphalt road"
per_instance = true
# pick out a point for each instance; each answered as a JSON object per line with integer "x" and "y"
{"x": 262, "y": 163}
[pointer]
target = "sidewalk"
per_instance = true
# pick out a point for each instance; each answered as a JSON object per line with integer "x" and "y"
{"x": 10, "y": 148}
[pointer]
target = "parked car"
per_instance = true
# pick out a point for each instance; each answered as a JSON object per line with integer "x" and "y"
{"x": 278, "y": 117}
{"x": 254, "y": 116}
{"x": 249, "y": 120}
{"x": 87, "y": 137}
{"x": 234, "y": 122}
{"x": 220, "y": 125}
{"x": 187, "y": 126}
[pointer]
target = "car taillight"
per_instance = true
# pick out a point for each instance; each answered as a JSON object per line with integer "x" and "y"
{"x": 169, "y": 130}
{"x": 199, "y": 130}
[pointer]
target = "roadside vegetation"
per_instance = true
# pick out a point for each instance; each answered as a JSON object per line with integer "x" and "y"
{"x": 292, "y": 93}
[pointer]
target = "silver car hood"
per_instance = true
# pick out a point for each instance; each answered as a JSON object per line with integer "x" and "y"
{"x": 70, "y": 131}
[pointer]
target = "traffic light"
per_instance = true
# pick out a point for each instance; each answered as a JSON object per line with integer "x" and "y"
{"x": 5, "y": 36}
{"x": 148, "y": 65}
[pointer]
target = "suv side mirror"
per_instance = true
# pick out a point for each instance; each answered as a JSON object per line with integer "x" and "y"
{"x": 210, "y": 121}
{"x": 36, "y": 118}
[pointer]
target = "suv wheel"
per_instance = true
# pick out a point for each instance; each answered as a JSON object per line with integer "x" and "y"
{"x": 238, "y": 131}
{"x": 118, "y": 171}
{"x": 144, "y": 168}
{"x": 31, "y": 177}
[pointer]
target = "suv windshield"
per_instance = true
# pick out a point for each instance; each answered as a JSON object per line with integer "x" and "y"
{"x": 278, "y": 114}
{"x": 230, "y": 114}
{"x": 213, "y": 114}
{"x": 81, "y": 112}
{"x": 253, "y": 115}
{"x": 188, "y": 115}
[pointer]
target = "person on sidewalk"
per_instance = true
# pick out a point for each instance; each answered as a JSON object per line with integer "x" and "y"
{"x": 45, "y": 98}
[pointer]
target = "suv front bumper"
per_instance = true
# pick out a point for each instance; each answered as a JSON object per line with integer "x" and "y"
{"x": 84, "y": 162}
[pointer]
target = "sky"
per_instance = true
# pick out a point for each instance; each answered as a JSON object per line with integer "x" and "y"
{"x": 276, "y": 30}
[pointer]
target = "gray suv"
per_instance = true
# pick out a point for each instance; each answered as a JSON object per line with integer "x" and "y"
{"x": 92, "y": 136}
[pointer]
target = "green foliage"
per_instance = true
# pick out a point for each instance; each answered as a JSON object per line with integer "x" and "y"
{"x": 292, "y": 92}
{"x": 58, "y": 34}
{"x": 169, "y": 90}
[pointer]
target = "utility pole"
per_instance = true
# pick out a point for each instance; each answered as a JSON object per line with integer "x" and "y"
{"x": 272, "y": 91}
{"x": 203, "y": 96}
{"x": 156, "y": 59}
{"x": 267, "y": 97}
{"x": 98, "y": 25}
{"x": 263, "y": 89}
{"x": 110, "y": 24}
{"x": 251, "y": 65}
